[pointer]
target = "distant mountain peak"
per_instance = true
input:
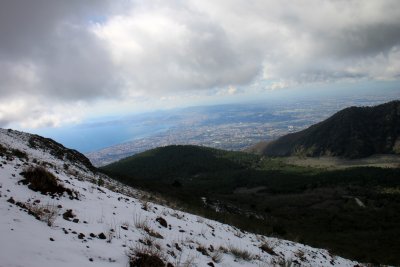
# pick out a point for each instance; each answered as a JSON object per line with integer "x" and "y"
{"x": 353, "y": 132}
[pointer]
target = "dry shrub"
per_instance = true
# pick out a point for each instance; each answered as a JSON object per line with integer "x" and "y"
{"x": 217, "y": 256}
{"x": 47, "y": 213}
{"x": 268, "y": 247}
{"x": 240, "y": 253}
{"x": 145, "y": 256}
{"x": 41, "y": 180}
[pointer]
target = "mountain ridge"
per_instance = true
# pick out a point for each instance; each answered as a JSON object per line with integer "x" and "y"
{"x": 354, "y": 132}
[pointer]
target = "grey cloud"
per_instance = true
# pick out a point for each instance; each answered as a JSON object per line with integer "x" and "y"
{"x": 26, "y": 26}
{"x": 77, "y": 66}
{"x": 357, "y": 40}
{"x": 51, "y": 49}
{"x": 52, "y": 38}
{"x": 4, "y": 122}
{"x": 204, "y": 58}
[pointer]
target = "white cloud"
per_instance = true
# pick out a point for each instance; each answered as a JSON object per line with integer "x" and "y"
{"x": 30, "y": 112}
{"x": 278, "y": 85}
{"x": 230, "y": 90}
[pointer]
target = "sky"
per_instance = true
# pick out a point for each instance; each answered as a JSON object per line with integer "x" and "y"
{"x": 64, "y": 62}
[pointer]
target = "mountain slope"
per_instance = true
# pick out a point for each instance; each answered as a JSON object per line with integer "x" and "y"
{"x": 175, "y": 161}
{"x": 88, "y": 224}
{"x": 354, "y": 132}
{"x": 265, "y": 195}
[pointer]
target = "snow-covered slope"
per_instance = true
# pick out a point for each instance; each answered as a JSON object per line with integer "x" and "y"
{"x": 96, "y": 226}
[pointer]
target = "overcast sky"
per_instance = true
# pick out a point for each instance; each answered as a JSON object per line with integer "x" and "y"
{"x": 62, "y": 61}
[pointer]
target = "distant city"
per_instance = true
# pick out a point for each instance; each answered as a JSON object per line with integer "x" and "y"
{"x": 230, "y": 127}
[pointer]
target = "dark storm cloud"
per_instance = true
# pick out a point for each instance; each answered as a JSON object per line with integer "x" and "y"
{"x": 51, "y": 41}
{"x": 26, "y": 26}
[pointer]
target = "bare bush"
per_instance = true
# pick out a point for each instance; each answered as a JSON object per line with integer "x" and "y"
{"x": 217, "y": 256}
{"x": 47, "y": 213}
{"x": 145, "y": 256}
{"x": 240, "y": 253}
{"x": 153, "y": 233}
{"x": 41, "y": 180}
{"x": 139, "y": 222}
{"x": 268, "y": 247}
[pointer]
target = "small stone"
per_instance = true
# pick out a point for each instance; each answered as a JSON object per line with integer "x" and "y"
{"x": 162, "y": 222}
{"x": 68, "y": 215}
{"x": 178, "y": 247}
{"x": 11, "y": 200}
{"x": 102, "y": 236}
{"x": 51, "y": 239}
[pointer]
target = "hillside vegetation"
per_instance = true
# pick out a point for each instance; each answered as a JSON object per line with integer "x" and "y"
{"x": 352, "y": 212}
{"x": 354, "y": 132}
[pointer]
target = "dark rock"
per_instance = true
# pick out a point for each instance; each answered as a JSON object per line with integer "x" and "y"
{"x": 162, "y": 222}
{"x": 178, "y": 247}
{"x": 102, "y": 236}
{"x": 68, "y": 215}
{"x": 202, "y": 250}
